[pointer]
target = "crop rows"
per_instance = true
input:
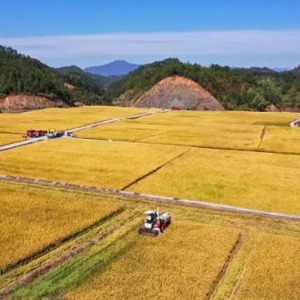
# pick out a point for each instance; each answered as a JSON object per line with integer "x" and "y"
{"x": 104, "y": 164}
{"x": 192, "y": 258}
{"x": 86, "y": 246}
{"x": 34, "y": 220}
{"x": 261, "y": 181}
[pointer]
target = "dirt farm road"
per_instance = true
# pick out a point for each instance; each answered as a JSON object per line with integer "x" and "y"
{"x": 148, "y": 197}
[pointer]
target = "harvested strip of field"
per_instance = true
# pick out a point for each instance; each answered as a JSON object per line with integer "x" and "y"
{"x": 7, "y": 138}
{"x": 62, "y": 118}
{"x": 260, "y": 181}
{"x": 153, "y": 270}
{"x": 273, "y": 271}
{"x": 190, "y": 228}
{"x": 31, "y": 219}
{"x": 85, "y": 162}
{"x": 281, "y": 139}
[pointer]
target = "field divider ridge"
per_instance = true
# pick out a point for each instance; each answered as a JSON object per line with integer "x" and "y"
{"x": 142, "y": 197}
{"x": 217, "y": 281}
{"x": 154, "y": 170}
{"x": 262, "y": 136}
{"x": 143, "y": 141}
{"x": 54, "y": 245}
{"x": 58, "y": 261}
{"x": 150, "y": 136}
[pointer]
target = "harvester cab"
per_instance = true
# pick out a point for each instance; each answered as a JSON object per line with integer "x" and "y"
{"x": 155, "y": 222}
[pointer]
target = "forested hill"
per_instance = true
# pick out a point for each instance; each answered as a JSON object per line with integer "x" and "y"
{"x": 20, "y": 74}
{"x": 237, "y": 89}
{"x": 79, "y": 78}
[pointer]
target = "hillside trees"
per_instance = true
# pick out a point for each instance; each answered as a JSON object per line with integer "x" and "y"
{"x": 237, "y": 89}
{"x": 20, "y": 74}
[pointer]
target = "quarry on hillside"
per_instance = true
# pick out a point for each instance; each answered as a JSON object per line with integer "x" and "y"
{"x": 178, "y": 93}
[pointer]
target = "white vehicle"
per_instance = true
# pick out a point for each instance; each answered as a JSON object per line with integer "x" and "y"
{"x": 155, "y": 223}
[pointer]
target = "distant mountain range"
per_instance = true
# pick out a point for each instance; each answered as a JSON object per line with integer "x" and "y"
{"x": 263, "y": 69}
{"x": 115, "y": 68}
{"x": 282, "y": 69}
{"x": 122, "y": 67}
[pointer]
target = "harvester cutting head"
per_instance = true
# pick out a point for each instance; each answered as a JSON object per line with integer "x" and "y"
{"x": 155, "y": 223}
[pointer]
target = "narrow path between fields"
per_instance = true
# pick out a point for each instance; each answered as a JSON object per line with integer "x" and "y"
{"x": 154, "y": 170}
{"x": 262, "y": 136}
{"x": 43, "y": 138}
{"x": 217, "y": 281}
{"x": 255, "y": 150}
{"x": 54, "y": 245}
{"x": 146, "y": 197}
{"x": 35, "y": 273}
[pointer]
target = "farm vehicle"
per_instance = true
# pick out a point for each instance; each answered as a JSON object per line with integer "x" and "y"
{"x": 32, "y": 133}
{"x": 53, "y": 133}
{"x": 155, "y": 223}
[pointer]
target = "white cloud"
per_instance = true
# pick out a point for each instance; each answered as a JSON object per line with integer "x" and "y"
{"x": 235, "y": 48}
{"x": 245, "y": 42}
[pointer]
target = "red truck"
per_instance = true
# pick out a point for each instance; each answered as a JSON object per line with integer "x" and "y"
{"x": 32, "y": 133}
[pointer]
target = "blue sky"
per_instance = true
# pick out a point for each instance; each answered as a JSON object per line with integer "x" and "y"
{"x": 91, "y": 32}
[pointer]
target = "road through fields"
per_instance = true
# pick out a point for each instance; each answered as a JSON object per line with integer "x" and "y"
{"x": 73, "y": 130}
{"x": 160, "y": 199}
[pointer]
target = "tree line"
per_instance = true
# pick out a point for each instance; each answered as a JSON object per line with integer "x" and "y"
{"x": 21, "y": 74}
{"x": 237, "y": 89}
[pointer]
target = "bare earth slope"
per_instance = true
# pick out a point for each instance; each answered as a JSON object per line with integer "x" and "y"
{"x": 180, "y": 92}
{"x": 18, "y": 103}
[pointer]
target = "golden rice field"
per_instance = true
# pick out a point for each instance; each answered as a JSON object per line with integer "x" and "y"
{"x": 85, "y": 162}
{"x": 153, "y": 269}
{"x": 261, "y": 181}
{"x": 127, "y": 130}
{"x": 218, "y": 136}
{"x": 7, "y": 138}
{"x": 273, "y": 270}
{"x": 31, "y": 219}
{"x": 61, "y": 118}
{"x": 186, "y": 260}
{"x": 281, "y": 140}
{"x": 224, "y": 130}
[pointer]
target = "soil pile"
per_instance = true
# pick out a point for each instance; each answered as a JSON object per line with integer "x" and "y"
{"x": 19, "y": 103}
{"x": 178, "y": 93}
